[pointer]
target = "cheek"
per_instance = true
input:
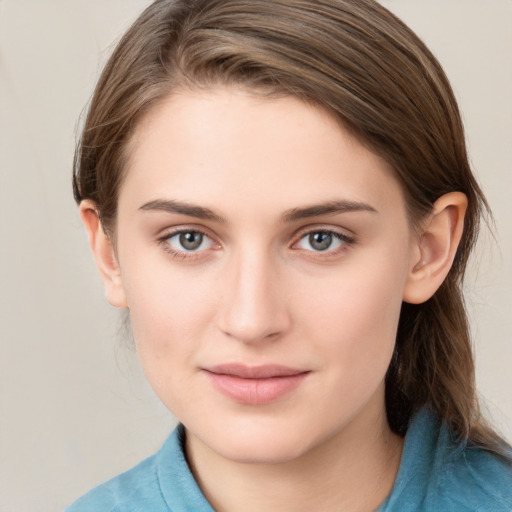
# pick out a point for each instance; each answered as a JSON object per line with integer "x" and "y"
{"x": 169, "y": 309}
{"x": 170, "y": 317}
{"x": 354, "y": 314}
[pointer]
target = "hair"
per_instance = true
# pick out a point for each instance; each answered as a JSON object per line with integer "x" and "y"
{"x": 359, "y": 62}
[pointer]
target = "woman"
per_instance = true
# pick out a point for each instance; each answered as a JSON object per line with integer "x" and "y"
{"x": 279, "y": 193}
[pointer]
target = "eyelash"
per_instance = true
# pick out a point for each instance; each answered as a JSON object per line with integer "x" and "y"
{"x": 345, "y": 241}
{"x": 164, "y": 241}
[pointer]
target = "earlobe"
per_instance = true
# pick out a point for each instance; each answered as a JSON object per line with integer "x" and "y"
{"x": 104, "y": 254}
{"x": 436, "y": 247}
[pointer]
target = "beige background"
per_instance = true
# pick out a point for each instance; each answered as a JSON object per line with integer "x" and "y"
{"x": 74, "y": 407}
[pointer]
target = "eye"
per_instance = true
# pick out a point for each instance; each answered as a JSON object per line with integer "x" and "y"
{"x": 188, "y": 241}
{"x": 323, "y": 241}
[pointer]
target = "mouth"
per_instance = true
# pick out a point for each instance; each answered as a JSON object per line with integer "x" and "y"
{"x": 255, "y": 385}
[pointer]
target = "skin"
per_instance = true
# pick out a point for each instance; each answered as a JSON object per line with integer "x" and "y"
{"x": 258, "y": 291}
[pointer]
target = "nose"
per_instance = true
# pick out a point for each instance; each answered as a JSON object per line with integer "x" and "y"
{"x": 253, "y": 308}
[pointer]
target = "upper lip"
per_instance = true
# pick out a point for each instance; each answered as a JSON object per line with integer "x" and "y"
{"x": 254, "y": 372}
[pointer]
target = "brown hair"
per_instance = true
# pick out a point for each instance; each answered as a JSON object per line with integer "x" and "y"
{"x": 362, "y": 64}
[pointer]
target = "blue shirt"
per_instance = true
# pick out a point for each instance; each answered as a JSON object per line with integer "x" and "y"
{"x": 437, "y": 474}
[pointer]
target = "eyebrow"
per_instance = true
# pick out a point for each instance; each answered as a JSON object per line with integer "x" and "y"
{"x": 171, "y": 206}
{"x": 200, "y": 212}
{"x": 329, "y": 208}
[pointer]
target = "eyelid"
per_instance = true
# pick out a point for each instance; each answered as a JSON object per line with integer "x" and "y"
{"x": 185, "y": 228}
{"x": 340, "y": 233}
{"x": 344, "y": 233}
{"x": 168, "y": 233}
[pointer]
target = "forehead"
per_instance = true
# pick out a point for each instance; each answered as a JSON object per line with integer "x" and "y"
{"x": 200, "y": 146}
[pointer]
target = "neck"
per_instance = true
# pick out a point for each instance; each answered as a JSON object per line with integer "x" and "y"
{"x": 353, "y": 471}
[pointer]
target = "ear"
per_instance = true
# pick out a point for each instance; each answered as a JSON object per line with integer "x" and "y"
{"x": 104, "y": 254}
{"x": 436, "y": 247}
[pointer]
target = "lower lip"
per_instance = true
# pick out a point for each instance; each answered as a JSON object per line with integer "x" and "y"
{"x": 255, "y": 391}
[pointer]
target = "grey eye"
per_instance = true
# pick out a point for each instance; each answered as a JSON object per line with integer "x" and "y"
{"x": 320, "y": 241}
{"x": 191, "y": 240}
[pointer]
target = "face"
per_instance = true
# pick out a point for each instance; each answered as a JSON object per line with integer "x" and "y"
{"x": 263, "y": 255}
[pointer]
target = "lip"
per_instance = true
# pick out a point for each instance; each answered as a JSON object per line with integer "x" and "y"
{"x": 255, "y": 385}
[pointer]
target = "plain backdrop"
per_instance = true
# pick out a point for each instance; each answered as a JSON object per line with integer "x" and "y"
{"x": 74, "y": 406}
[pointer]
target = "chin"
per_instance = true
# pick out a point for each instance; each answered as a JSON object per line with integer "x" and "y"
{"x": 274, "y": 451}
{"x": 256, "y": 442}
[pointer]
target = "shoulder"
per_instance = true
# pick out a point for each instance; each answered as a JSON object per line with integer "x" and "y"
{"x": 161, "y": 483}
{"x": 439, "y": 472}
{"x": 474, "y": 479}
{"x": 137, "y": 489}
{"x": 137, "y": 486}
